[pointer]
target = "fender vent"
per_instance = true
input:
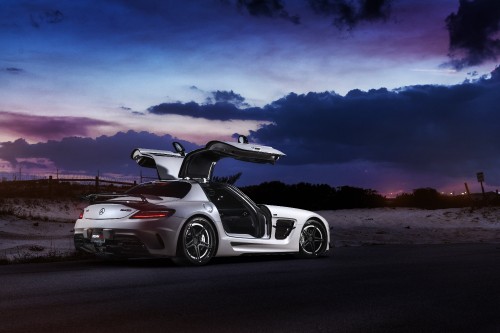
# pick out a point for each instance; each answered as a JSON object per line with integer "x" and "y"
{"x": 283, "y": 228}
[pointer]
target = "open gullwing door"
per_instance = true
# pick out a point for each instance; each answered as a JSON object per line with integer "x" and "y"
{"x": 167, "y": 163}
{"x": 199, "y": 164}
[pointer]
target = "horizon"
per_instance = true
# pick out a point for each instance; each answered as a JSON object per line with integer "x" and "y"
{"x": 392, "y": 96}
{"x": 147, "y": 175}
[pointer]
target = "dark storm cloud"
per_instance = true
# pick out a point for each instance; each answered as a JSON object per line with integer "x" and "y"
{"x": 47, "y": 127}
{"x": 106, "y": 153}
{"x": 420, "y": 128}
{"x": 348, "y": 13}
{"x": 268, "y": 8}
{"x": 229, "y": 97}
{"x": 474, "y": 30}
{"x": 32, "y": 165}
{"x": 228, "y": 106}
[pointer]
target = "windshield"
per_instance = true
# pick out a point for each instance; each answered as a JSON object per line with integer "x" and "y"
{"x": 174, "y": 189}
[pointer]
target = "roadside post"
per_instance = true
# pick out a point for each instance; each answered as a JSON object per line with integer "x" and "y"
{"x": 480, "y": 179}
{"x": 469, "y": 197}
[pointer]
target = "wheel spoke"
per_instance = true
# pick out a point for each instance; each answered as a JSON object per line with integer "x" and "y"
{"x": 200, "y": 231}
{"x": 317, "y": 246}
{"x": 206, "y": 245}
{"x": 197, "y": 249}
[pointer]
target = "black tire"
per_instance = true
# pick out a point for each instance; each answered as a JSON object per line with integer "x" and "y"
{"x": 197, "y": 243}
{"x": 313, "y": 240}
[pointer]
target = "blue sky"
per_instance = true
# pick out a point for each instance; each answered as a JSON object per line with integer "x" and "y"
{"x": 389, "y": 95}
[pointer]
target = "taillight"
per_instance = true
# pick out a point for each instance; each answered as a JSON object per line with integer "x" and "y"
{"x": 81, "y": 215}
{"x": 149, "y": 214}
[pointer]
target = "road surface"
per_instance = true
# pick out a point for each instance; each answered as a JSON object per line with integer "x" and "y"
{"x": 419, "y": 288}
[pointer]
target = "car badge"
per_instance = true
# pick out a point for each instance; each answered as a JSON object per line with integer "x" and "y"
{"x": 102, "y": 211}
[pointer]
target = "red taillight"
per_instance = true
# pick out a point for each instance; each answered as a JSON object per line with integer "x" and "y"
{"x": 81, "y": 215}
{"x": 147, "y": 214}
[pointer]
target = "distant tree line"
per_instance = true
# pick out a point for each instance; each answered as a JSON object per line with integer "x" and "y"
{"x": 313, "y": 196}
{"x": 430, "y": 198}
{"x": 324, "y": 197}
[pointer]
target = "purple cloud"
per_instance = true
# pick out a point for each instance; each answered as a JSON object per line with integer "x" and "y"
{"x": 108, "y": 154}
{"x": 45, "y": 127}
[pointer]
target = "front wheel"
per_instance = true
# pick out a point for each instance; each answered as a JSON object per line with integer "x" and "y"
{"x": 197, "y": 243}
{"x": 313, "y": 240}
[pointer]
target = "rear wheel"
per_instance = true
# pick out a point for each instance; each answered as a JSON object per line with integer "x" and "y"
{"x": 197, "y": 242}
{"x": 313, "y": 240}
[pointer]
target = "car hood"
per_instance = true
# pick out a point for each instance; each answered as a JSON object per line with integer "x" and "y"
{"x": 200, "y": 163}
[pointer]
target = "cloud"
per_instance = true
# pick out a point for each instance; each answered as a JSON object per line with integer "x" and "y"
{"x": 437, "y": 129}
{"x": 268, "y": 8}
{"x": 108, "y": 154}
{"x": 46, "y": 127}
{"x": 349, "y": 13}
{"x": 474, "y": 31}
{"x": 346, "y": 13}
{"x": 13, "y": 70}
{"x": 127, "y": 109}
{"x": 229, "y": 97}
{"x": 228, "y": 106}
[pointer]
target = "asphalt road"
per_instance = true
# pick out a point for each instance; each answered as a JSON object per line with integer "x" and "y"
{"x": 438, "y": 288}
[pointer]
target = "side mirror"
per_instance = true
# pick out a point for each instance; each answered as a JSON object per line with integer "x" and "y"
{"x": 242, "y": 139}
{"x": 179, "y": 148}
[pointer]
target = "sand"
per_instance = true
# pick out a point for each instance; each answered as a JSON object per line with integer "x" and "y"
{"x": 32, "y": 227}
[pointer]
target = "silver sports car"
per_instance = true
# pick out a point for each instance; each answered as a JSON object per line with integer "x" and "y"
{"x": 191, "y": 219}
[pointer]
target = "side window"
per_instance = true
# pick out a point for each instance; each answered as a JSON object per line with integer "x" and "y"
{"x": 227, "y": 200}
{"x": 224, "y": 199}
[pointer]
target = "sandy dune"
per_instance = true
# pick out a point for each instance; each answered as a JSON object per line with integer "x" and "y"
{"x": 42, "y": 227}
{"x": 413, "y": 226}
{"x": 37, "y": 227}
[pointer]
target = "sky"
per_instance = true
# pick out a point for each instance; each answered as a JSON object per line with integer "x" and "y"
{"x": 390, "y": 95}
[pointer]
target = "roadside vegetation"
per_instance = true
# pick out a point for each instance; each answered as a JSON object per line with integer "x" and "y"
{"x": 302, "y": 195}
{"x": 325, "y": 197}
